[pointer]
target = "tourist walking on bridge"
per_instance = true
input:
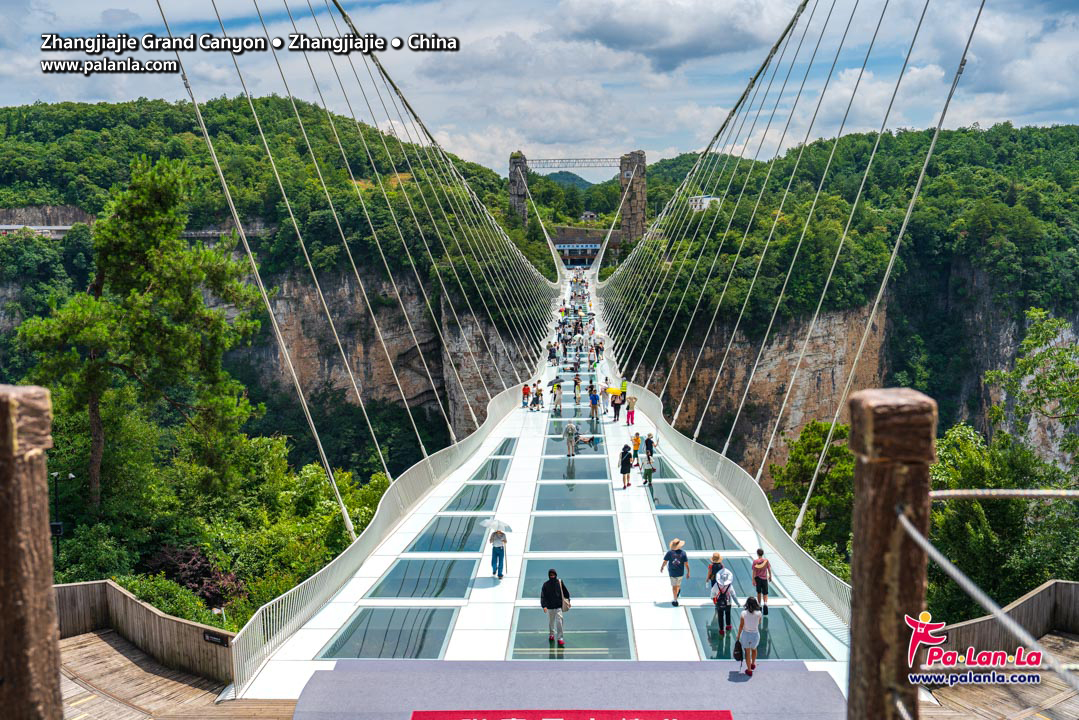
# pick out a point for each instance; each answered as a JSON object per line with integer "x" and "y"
{"x": 762, "y": 575}
{"x": 556, "y": 394}
{"x": 526, "y": 391}
{"x": 570, "y": 435}
{"x": 554, "y": 599}
{"x": 498, "y": 552}
{"x": 676, "y": 562}
{"x": 605, "y": 395}
{"x": 625, "y": 464}
{"x": 631, "y": 409}
{"x": 749, "y": 633}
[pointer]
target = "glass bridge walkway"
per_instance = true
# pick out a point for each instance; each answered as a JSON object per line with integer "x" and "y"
{"x": 427, "y": 592}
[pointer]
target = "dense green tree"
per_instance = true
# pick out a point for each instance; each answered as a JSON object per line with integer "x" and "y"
{"x": 145, "y": 320}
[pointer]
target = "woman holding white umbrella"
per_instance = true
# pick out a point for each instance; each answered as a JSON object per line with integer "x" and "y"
{"x": 498, "y": 542}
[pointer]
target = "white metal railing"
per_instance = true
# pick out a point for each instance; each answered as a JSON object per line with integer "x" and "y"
{"x": 746, "y": 495}
{"x": 277, "y": 620}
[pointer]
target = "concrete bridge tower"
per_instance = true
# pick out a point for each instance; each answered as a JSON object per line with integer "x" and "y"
{"x": 519, "y": 185}
{"x": 633, "y": 166}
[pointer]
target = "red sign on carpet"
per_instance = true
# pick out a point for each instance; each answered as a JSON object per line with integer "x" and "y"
{"x": 572, "y": 715}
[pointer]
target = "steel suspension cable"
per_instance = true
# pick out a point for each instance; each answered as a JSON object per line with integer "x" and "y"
{"x": 779, "y": 97}
{"x": 760, "y": 196}
{"x": 726, "y": 231}
{"x": 346, "y": 519}
{"x": 801, "y": 238}
{"x": 835, "y": 261}
{"x": 895, "y": 254}
{"x": 348, "y": 103}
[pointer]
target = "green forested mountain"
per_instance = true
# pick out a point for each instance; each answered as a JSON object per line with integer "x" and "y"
{"x": 566, "y": 178}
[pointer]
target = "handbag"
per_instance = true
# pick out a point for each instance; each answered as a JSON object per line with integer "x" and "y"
{"x": 738, "y": 654}
{"x": 565, "y": 601}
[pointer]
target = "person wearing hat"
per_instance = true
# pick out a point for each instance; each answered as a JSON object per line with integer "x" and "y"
{"x": 676, "y": 563}
{"x": 723, "y": 596}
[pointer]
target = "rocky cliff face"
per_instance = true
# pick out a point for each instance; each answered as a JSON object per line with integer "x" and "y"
{"x": 827, "y": 362}
{"x": 44, "y": 215}
{"x": 425, "y": 375}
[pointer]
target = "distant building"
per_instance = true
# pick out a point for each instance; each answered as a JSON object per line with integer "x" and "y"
{"x": 588, "y": 216}
{"x": 698, "y": 203}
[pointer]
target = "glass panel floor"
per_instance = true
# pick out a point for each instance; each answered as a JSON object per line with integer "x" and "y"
{"x": 700, "y": 532}
{"x": 474, "y": 498}
{"x": 573, "y": 533}
{"x": 664, "y": 469}
{"x": 505, "y": 448}
{"x": 783, "y": 636}
{"x": 460, "y": 533}
{"x": 591, "y": 634}
{"x": 673, "y": 496}
{"x": 593, "y": 446}
{"x": 494, "y": 469}
{"x": 585, "y": 426}
{"x": 392, "y": 633}
{"x": 573, "y": 496}
{"x": 584, "y": 578}
{"x": 577, "y": 468}
{"x": 427, "y": 578}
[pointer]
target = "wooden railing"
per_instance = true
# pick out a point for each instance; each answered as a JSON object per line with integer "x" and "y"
{"x": 1053, "y": 605}
{"x": 175, "y": 643}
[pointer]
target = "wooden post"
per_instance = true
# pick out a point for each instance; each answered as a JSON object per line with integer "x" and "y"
{"x": 893, "y": 438}
{"x": 29, "y": 635}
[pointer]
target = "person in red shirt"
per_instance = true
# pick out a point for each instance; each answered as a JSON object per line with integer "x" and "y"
{"x": 762, "y": 574}
{"x": 525, "y": 392}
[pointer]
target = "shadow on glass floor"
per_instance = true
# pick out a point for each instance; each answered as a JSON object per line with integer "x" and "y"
{"x": 476, "y": 497}
{"x": 575, "y": 468}
{"x": 673, "y": 496}
{"x": 492, "y": 469}
{"x": 416, "y": 633}
{"x": 451, "y": 533}
{"x": 585, "y": 426}
{"x": 426, "y": 578}
{"x": 783, "y": 636}
{"x": 573, "y": 496}
{"x": 584, "y": 577}
{"x": 588, "y": 444}
{"x": 700, "y": 532}
{"x": 591, "y": 634}
{"x": 573, "y": 533}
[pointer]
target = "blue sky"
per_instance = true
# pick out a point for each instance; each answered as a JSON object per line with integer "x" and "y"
{"x": 571, "y": 78}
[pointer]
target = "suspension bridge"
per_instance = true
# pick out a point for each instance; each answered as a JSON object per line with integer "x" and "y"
{"x": 410, "y": 616}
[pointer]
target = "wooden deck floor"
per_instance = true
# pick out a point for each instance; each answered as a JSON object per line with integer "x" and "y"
{"x": 1050, "y": 700}
{"x": 104, "y": 677}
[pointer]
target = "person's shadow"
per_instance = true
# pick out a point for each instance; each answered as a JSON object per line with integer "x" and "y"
{"x": 737, "y": 676}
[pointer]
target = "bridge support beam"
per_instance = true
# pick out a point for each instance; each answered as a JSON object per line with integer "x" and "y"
{"x": 29, "y": 634}
{"x": 519, "y": 185}
{"x": 893, "y": 439}
{"x": 635, "y": 207}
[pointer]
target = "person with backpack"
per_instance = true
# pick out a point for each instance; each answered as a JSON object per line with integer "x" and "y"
{"x": 616, "y": 405}
{"x": 625, "y": 464}
{"x": 554, "y": 599}
{"x": 631, "y": 409}
{"x": 722, "y": 595}
{"x": 570, "y": 435}
{"x": 749, "y": 633}
{"x": 762, "y": 575}
{"x": 676, "y": 562}
{"x": 648, "y": 469}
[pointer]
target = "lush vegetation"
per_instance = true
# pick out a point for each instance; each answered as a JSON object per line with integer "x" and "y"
{"x": 997, "y": 211}
{"x": 167, "y": 473}
{"x": 1007, "y": 547}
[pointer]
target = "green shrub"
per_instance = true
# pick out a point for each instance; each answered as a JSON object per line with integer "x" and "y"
{"x": 168, "y": 597}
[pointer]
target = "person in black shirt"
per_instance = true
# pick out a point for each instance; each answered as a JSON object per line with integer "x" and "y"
{"x": 552, "y": 594}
